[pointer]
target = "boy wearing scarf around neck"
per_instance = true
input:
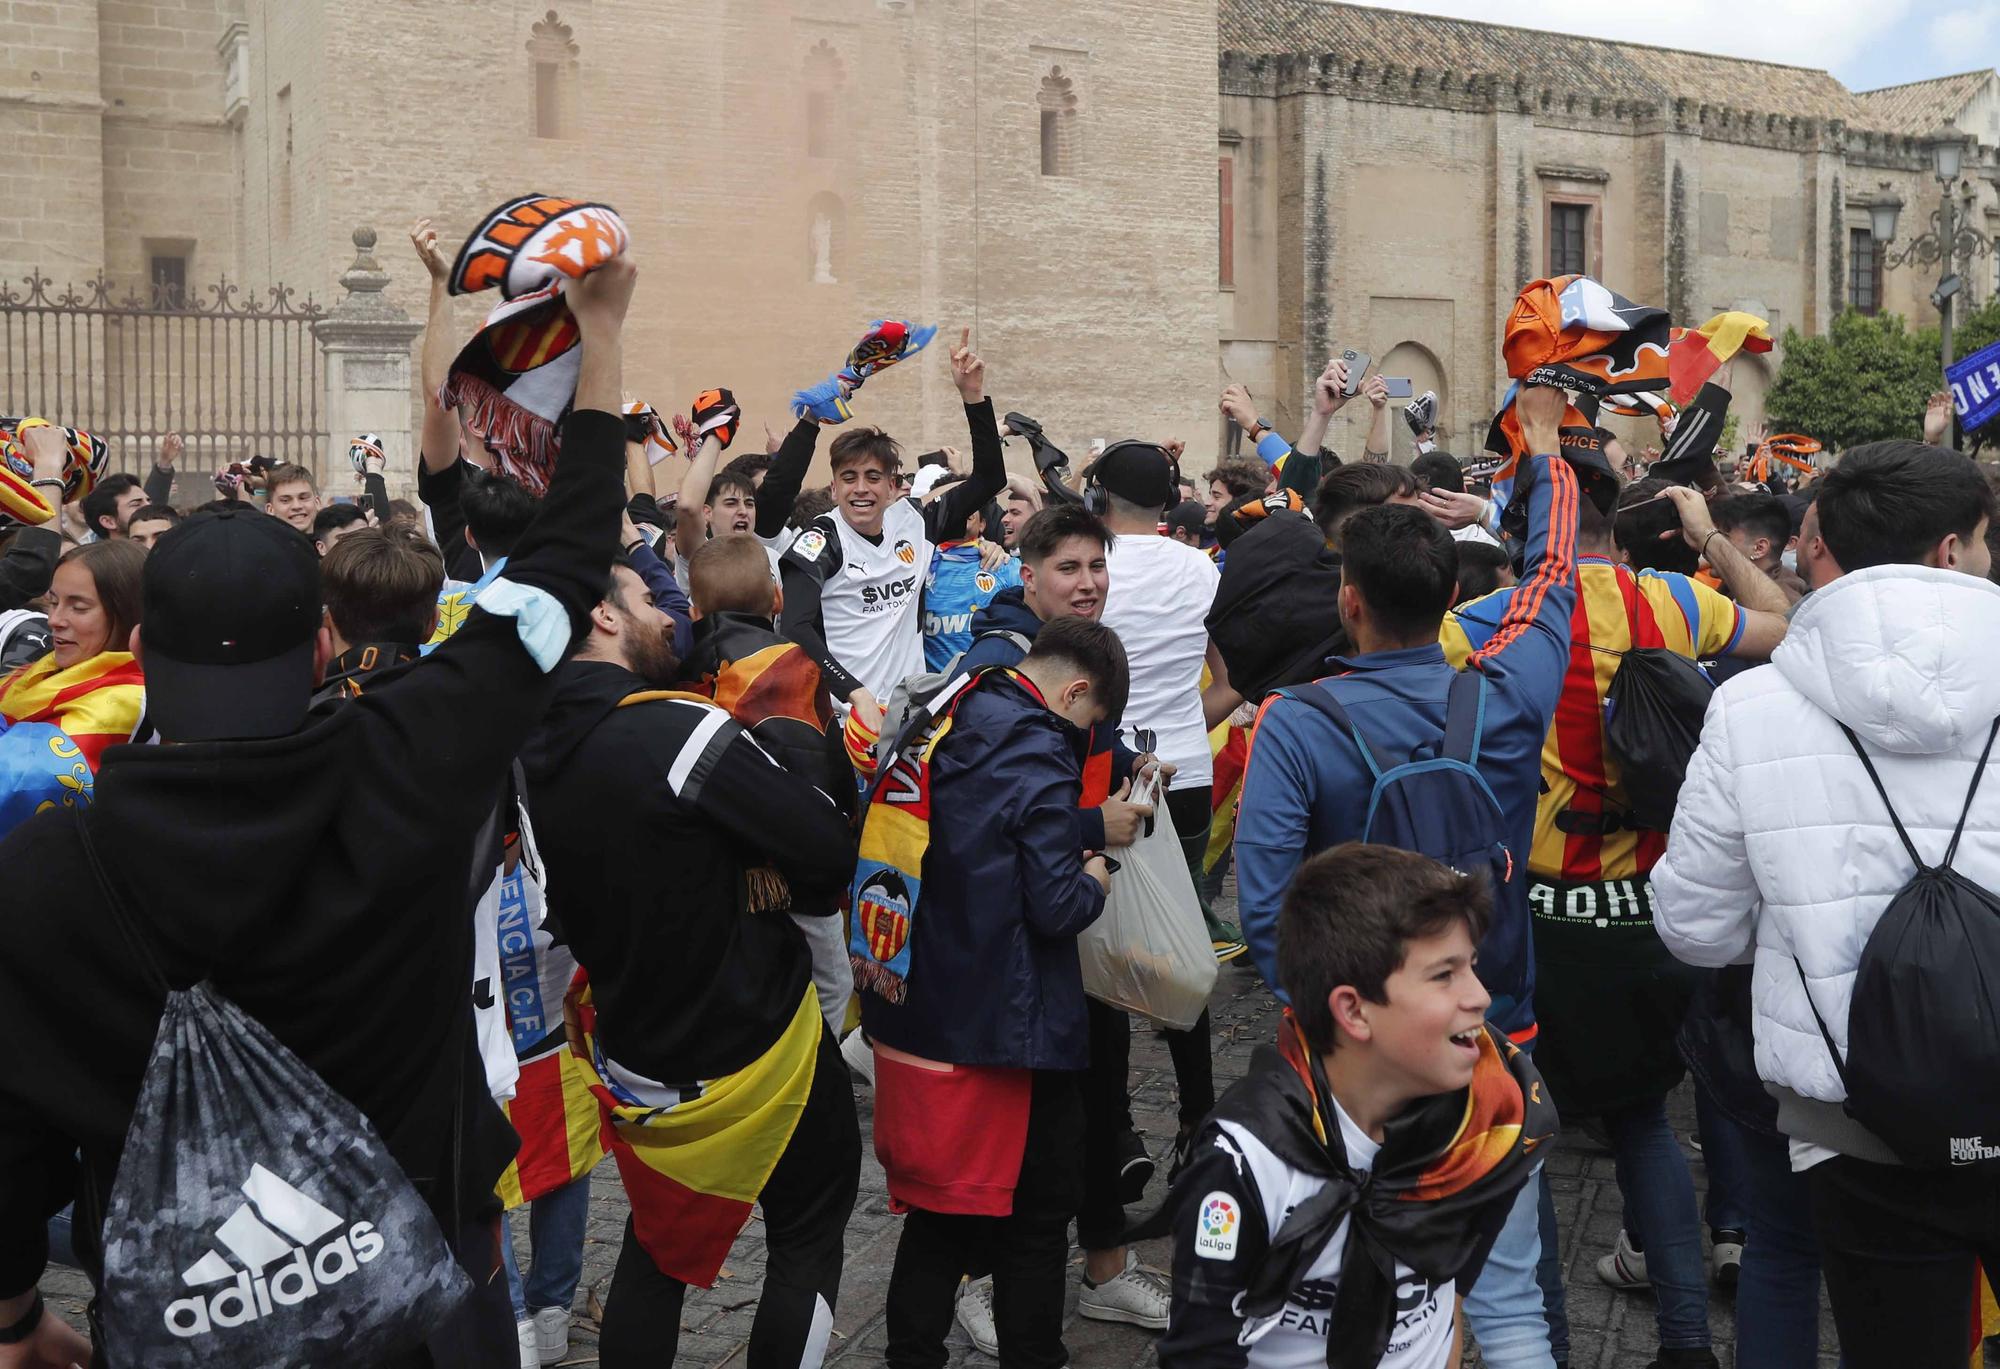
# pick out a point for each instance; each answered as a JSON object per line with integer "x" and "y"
{"x": 1345, "y": 1192}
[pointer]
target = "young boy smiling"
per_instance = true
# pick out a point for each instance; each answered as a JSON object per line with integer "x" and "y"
{"x": 1348, "y": 1189}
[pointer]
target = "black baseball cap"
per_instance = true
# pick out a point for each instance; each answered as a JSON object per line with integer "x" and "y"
{"x": 231, "y": 612}
{"x": 1138, "y": 472}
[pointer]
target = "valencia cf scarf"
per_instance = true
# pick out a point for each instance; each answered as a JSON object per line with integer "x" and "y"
{"x": 84, "y": 461}
{"x": 886, "y": 342}
{"x": 517, "y": 377}
{"x": 1441, "y": 1187}
{"x": 895, "y": 834}
{"x": 55, "y": 726}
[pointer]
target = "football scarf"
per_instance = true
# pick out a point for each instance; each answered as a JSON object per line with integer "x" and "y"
{"x": 1247, "y": 511}
{"x": 84, "y": 462}
{"x": 886, "y": 342}
{"x": 1572, "y": 333}
{"x": 19, "y": 500}
{"x": 361, "y": 448}
{"x": 716, "y": 414}
{"x": 694, "y": 1156}
{"x": 643, "y": 424}
{"x": 895, "y": 834}
{"x": 55, "y": 726}
{"x": 1697, "y": 353}
{"x": 1448, "y": 1171}
{"x": 517, "y": 377}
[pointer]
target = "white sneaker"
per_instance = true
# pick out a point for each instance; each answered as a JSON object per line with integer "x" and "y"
{"x": 974, "y": 1310}
{"x": 1725, "y": 1260}
{"x": 1139, "y": 1296}
{"x": 552, "y": 1334}
{"x": 1624, "y": 1267}
{"x": 859, "y": 1055}
{"x": 531, "y": 1357}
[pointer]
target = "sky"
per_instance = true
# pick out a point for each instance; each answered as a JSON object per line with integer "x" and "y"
{"x": 1866, "y": 45}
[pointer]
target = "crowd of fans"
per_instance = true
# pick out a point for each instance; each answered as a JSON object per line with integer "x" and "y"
{"x": 655, "y": 806}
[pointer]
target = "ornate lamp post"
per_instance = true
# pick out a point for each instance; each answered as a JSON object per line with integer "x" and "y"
{"x": 1951, "y": 238}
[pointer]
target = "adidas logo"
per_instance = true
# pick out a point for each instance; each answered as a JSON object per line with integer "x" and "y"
{"x": 296, "y": 1271}
{"x": 1966, "y": 1150}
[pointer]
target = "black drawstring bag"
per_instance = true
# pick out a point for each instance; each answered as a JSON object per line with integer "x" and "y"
{"x": 1923, "y": 1022}
{"x": 257, "y": 1218}
{"x": 1652, "y": 716}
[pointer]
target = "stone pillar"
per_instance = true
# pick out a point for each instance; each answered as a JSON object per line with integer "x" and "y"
{"x": 365, "y": 343}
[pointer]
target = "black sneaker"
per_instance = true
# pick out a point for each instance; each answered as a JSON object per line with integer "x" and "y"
{"x": 1135, "y": 1169}
{"x": 1702, "y": 1358}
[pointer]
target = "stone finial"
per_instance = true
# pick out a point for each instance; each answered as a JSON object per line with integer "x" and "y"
{"x": 366, "y": 276}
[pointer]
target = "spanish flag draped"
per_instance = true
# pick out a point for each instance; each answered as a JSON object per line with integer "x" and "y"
{"x": 55, "y": 725}
{"x": 695, "y": 1156}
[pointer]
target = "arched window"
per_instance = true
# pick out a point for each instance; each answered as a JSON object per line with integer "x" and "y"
{"x": 1057, "y": 100}
{"x": 552, "y": 52}
{"x": 825, "y": 74}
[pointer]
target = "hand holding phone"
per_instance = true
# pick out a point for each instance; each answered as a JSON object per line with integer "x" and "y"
{"x": 1357, "y": 369}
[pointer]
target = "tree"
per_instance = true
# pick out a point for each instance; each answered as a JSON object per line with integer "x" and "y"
{"x": 1863, "y": 380}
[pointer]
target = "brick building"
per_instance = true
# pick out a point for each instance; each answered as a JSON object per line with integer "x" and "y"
{"x": 793, "y": 168}
{"x": 1390, "y": 180}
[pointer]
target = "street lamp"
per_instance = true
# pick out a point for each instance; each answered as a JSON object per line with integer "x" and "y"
{"x": 1951, "y": 236}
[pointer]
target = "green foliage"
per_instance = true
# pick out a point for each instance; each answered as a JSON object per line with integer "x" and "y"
{"x": 1980, "y": 328}
{"x": 1731, "y": 433}
{"x": 1863, "y": 380}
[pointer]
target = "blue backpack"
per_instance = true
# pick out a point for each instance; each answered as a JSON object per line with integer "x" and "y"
{"x": 1433, "y": 801}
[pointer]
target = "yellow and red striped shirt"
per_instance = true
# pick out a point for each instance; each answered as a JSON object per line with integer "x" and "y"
{"x": 1691, "y": 619}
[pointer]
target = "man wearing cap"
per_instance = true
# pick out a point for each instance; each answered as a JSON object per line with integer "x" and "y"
{"x": 1157, "y": 602}
{"x": 343, "y": 924}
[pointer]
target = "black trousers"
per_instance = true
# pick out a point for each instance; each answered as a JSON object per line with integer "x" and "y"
{"x": 806, "y": 1204}
{"x": 1897, "y": 1248}
{"x": 1107, "y": 1097}
{"x": 1027, "y": 1252}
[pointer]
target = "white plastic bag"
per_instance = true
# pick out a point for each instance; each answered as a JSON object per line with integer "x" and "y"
{"x": 1150, "y": 952}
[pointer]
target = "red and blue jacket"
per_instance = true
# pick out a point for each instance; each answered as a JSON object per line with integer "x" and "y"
{"x": 1306, "y": 787}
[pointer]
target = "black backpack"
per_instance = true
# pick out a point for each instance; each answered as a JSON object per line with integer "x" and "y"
{"x": 1276, "y": 615}
{"x": 1923, "y": 1023}
{"x": 1653, "y": 713}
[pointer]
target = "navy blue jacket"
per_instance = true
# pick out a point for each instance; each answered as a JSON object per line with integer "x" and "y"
{"x": 993, "y": 968}
{"x": 1306, "y": 786}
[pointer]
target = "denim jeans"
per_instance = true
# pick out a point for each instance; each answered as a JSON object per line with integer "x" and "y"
{"x": 1549, "y": 1274}
{"x": 1777, "y": 1294}
{"x": 1660, "y": 1211}
{"x": 1727, "y": 1204}
{"x": 555, "y": 1243}
{"x": 1504, "y": 1307}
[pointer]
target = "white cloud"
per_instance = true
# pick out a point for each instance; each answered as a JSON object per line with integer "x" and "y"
{"x": 1809, "y": 33}
{"x": 1959, "y": 36}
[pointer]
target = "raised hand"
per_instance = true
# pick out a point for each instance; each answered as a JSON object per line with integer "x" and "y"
{"x": 424, "y": 238}
{"x": 968, "y": 371}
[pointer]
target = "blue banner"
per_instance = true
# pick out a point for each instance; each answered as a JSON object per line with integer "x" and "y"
{"x": 1975, "y": 386}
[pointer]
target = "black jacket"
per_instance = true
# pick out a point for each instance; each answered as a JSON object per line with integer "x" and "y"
{"x": 993, "y": 976}
{"x": 648, "y": 817}
{"x": 28, "y": 566}
{"x": 321, "y": 880}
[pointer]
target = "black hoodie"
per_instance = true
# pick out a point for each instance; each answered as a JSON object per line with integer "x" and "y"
{"x": 648, "y": 817}
{"x": 322, "y": 881}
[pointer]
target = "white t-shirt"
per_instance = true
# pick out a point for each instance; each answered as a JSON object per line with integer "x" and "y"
{"x": 1157, "y": 601}
{"x": 1295, "y": 1337}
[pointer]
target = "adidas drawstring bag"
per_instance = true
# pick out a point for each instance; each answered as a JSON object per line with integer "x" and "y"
{"x": 257, "y": 1217}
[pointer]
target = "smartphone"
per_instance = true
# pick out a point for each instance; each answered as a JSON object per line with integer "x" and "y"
{"x": 1357, "y": 367}
{"x": 1399, "y": 387}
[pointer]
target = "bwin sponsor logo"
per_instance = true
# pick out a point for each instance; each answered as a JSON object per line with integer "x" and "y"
{"x": 276, "y": 1273}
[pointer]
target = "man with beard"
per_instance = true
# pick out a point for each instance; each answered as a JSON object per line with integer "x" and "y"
{"x": 668, "y": 832}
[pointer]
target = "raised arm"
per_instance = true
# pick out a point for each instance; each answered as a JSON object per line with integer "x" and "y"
{"x": 159, "y": 485}
{"x": 989, "y": 462}
{"x": 690, "y": 515}
{"x": 438, "y": 443}
{"x": 782, "y": 483}
{"x": 1376, "y": 447}
{"x": 1530, "y": 647}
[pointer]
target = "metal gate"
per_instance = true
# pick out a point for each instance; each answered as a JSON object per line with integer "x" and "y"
{"x": 235, "y": 377}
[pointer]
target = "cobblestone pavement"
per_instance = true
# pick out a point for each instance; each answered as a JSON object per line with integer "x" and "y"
{"x": 1610, "y": 1330}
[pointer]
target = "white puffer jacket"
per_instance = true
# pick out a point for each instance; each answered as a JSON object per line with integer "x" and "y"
{"x": 1780, "y": 841}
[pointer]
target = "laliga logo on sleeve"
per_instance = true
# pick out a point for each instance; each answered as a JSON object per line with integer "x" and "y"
{"x": 300, "y": 1272}
{"x": 1217, "y": 1228}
